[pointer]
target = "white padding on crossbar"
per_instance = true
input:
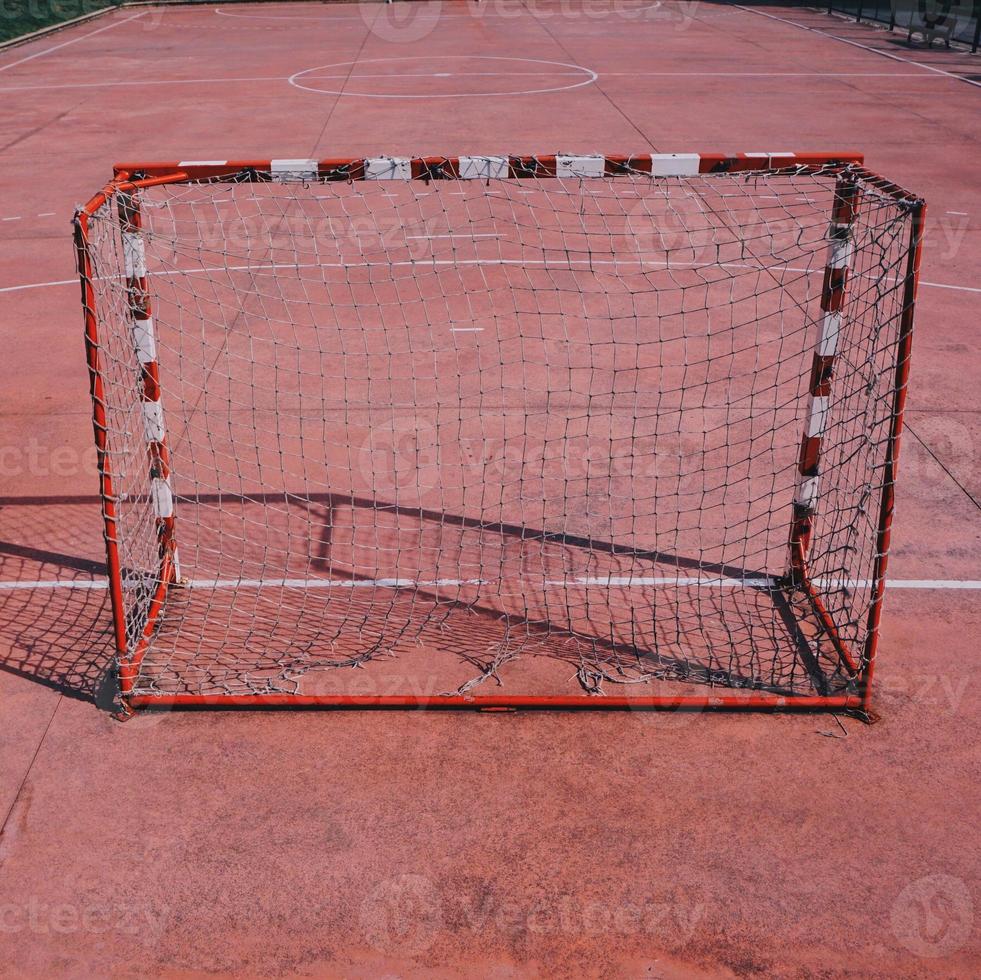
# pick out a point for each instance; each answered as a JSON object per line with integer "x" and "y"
{"x": 840, "y": 253}
{"x": 134, "y": 254}
{"x": 674, "y": 164}
{"x": 153, "y": 422}
{"x": 162, "y": 496}
{"x": 819, "y": 415}
{"x": 283, "y": 170}
{"x": 388, "y": 168}
{"x": 570, "y": 166}
{"x": 807, "y": 492}
{"x": 202, "y": 163}
{"x": 483, "y": 168}
{"x": 144, "y": 341}
{"x": 830, "y": 328}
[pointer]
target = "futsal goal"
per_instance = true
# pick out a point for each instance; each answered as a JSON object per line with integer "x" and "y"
{"x": 499, "y": 431}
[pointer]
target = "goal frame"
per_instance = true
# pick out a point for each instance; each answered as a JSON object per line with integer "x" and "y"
{"x": 131, "y": 177}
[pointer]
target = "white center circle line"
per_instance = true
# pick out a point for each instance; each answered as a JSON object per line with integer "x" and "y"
{"x": 301, "y": 79}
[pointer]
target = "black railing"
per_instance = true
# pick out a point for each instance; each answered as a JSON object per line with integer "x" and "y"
{"x": 924, "y": 20}
{"x": 21, "y": 17}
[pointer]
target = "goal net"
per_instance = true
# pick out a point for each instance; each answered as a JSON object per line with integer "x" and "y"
{"x": 498, "y": 431}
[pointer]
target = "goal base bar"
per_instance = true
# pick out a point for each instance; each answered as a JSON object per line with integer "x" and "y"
{"x": 729, "y": 702}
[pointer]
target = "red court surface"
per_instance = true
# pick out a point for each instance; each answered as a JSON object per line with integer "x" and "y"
{"x": 407, "y": 843}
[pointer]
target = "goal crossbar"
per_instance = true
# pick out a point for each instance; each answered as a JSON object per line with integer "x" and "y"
{"x": 120, "y": 273}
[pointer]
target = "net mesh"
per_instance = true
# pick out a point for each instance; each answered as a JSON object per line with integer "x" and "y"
{"x": 541, "y": 433}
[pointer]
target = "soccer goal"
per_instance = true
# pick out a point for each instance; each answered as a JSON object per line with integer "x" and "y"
{"x": 499, "y": 431}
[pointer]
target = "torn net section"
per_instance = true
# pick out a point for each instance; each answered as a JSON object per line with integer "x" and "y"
{"x": 450, "y": 427}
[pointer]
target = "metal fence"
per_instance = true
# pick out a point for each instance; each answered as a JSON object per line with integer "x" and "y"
{"x": 923, "y": 20}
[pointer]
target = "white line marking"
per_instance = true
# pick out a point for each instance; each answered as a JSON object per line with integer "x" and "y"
{"x": 476, "y": 15}
{"x": 38, "y": 285}
{"x": 294, "y": 80}
{"x": 72, "y": 40}
{"x": 11, "y": 219}
{"x": 146, "y": 81}
{"x": 323, "y": 19}
{"x": 46, "y": 214}
{"x": 770, "y": 74}
{"x": 249, "y": 79}
{"x": 458, "y": 74}
{"x": 322, "y": 583}
{"x": 960, "y": 214}
{"x": 944, "y": 285}
{"x": 957, "y": 585}
{"x": 586, "y": 264}
{"x": 643, "y": 581}
{"x": 437, "y": 262}
{"x": 857, "y": 44}
{"x": 468, "y": 237}
{"x": 924, "y": 583}
{"x": 429, "y": 263}
{"x": 95, "y": 584}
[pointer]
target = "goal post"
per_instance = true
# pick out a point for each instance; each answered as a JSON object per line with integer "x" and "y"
{"x": 499, "y": 431}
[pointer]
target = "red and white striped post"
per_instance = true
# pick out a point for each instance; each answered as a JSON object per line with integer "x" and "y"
{"x": 100, "y": 422}
{"x": 836, "y": 272}
{"x": 145, "y": 348}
